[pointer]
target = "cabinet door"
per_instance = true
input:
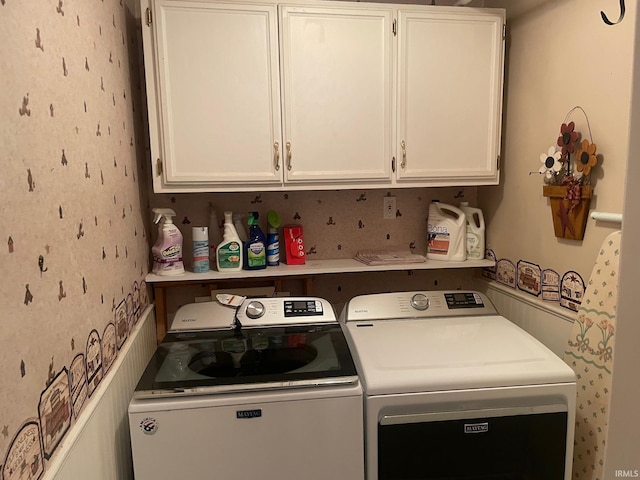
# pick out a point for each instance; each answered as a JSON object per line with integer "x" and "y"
{"x": 450, "y": 70}
{"x": 336, "y": 77}
{"x": 216, "y": 93}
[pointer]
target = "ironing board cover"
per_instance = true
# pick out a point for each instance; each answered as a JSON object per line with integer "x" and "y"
{"x": 590, "y": 353}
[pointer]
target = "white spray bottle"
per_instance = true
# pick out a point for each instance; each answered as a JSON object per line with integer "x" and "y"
{"x": 167, "y": 251}
{"x": 229, "y": 252}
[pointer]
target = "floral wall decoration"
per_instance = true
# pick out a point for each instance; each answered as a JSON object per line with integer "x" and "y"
{"x": 566, "y": 169}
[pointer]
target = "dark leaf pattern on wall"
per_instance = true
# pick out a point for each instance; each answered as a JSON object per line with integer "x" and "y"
{"x": 64, "y": 137}
{"x": 28, "y": 297}
{"x": 39, "y": 40}
{"x": 24, "y": 109}
{"x": 30, "y": 181}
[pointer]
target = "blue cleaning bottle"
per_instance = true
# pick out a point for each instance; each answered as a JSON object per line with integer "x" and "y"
{"x": 273, "y": 241}
{"x": 256, "y": 245}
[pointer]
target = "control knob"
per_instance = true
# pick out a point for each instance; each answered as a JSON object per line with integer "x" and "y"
{"x": 420, "y": 301}
{"x": 255, "y": 309}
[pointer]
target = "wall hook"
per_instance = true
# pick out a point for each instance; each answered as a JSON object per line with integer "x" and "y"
{"x": 620, "y": 18}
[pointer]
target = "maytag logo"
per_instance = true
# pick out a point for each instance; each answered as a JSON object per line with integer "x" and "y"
{"x": 476, "y": 427}
{"x": 248, "y": 413}
{"x": 185, "y": 320}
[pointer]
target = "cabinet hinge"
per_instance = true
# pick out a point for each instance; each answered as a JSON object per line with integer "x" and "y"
{"x": 498, "y": 163}
{"x": 395, "y": 27}
{"x": 149, "y": 17}
{"x": 393, "y": 164}
{"x": 158, "y": 167}
{"x": 504, "y": 31}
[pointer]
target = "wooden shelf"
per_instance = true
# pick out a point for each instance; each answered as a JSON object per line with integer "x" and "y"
{"x": 312, "y": 267}
{"x": 276, "y": 274}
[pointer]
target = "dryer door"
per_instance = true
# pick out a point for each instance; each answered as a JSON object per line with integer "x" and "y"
{"x": 494, "y": 444}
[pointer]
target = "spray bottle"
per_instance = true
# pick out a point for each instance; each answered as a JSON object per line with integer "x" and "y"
{"x": 256, "y": 246}
{"x": 229, "y": 252}
{"x": 167, "y": 251}
{"x": 273, "y": 241}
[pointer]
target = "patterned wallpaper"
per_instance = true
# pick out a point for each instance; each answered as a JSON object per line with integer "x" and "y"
{"x": 75, "y": 251}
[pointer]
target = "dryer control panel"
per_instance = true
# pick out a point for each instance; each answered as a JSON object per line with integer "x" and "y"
{"x": 421, "y": 304}
{"x": 464, "y": 300}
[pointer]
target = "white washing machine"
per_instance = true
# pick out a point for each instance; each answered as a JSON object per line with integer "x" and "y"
{"x": 269, "y": 391}
{"x": 455, "y": 391}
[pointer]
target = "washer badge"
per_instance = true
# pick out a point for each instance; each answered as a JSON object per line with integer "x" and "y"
{"x": 149, "y": 425}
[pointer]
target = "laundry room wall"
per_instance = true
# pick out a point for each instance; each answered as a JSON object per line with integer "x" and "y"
{"x": 75, "y": 245}
{"x": 560, "y": 55}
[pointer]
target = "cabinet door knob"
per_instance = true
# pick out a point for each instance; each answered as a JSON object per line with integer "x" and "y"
{"x": 288, "y": 155}
{"x": 404, "y": 154}
{"x": 276, "y": 155}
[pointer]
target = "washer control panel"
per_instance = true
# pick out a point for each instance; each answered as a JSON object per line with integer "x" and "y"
{"x": 302, "y": 308}
{"x": 426, "y": 304}
{"x": 284, "y": 310}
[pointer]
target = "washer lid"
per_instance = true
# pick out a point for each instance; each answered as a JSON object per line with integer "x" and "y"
{"x": 454, "y": 353}
{"x": 252, "y": 359}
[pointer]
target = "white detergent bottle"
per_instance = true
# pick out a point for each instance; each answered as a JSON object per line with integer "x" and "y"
{"x": 446, "y": 233}
{"x": 167, "y": 251}
{"x": 475, "y": 231}
{"x": 229, "y": 251}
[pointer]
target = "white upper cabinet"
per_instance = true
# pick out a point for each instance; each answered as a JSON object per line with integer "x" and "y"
{"x": 450, "y": 70}
{"x": 264, "y": 95}
{"x": 214, "y": 70}
{"x": 336, "y": 88}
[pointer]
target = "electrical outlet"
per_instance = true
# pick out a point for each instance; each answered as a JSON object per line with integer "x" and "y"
{"x": 389, "y": 207}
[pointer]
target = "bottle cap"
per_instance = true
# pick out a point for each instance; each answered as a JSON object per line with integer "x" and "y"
{"x": 252, "y": 218}
{"x": 273, "y": 219}
{"x": 200, "y": 234}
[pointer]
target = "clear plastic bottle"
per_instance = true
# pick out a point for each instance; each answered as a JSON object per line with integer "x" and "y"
{"x": 238, "y": 225}
{"x": 215, "y": 236}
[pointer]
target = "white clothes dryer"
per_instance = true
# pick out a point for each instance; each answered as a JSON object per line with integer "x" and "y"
{"x": 453, "y": 390}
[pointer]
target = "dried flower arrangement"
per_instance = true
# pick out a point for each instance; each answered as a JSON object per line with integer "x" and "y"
{"x": 568, "y": 180}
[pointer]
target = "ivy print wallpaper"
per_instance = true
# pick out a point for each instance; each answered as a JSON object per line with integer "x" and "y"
{"x": 75, "y": 246}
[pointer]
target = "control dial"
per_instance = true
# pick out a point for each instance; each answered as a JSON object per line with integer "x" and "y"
{"x": 255, "y": 309}
{"x": 420, "y": 301}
